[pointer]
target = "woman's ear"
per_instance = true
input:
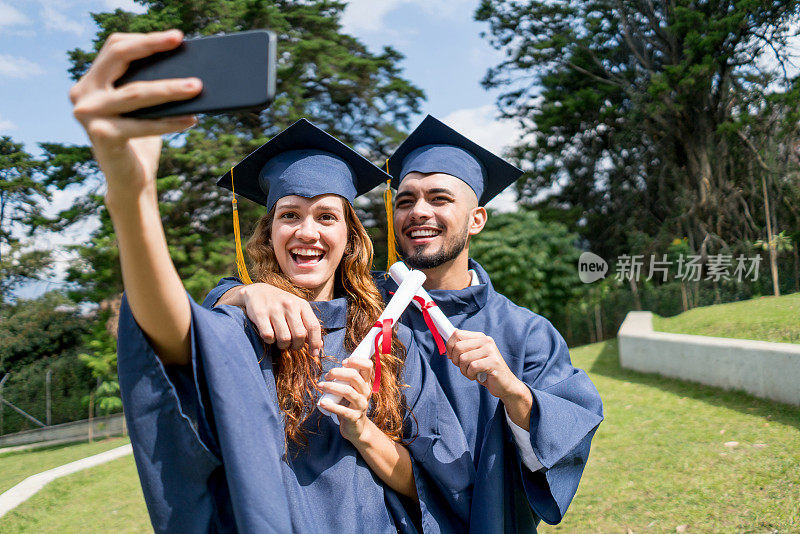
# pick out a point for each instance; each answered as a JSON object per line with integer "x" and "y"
{"x": 477, "y": 220}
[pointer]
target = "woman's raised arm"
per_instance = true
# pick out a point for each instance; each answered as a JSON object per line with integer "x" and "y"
{"x": 128, "y": 151}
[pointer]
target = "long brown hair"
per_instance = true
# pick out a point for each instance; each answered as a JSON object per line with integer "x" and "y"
{"x": 297, "y": 372}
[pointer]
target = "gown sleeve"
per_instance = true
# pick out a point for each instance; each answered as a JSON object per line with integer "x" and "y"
{"x": 565, "y": 415}
{"x": 443, "y": 469}
{"x": 220, "y": 289}
{"x": 206, "y": 436}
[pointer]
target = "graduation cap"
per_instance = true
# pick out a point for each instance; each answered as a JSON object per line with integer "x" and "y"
{"x": 435, "y": 147}
{"x": 302, "y": 160}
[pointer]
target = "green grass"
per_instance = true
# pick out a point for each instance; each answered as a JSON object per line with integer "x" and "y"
{"x": 106, "y": 498}
{"x": 766, "y": 319}
{"x": 659, "y": 460}
{"x": 17, "y": 466}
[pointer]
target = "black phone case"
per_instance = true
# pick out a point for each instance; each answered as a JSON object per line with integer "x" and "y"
{"x": 237, "y": 70}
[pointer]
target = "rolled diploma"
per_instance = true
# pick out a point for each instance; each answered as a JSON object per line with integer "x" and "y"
{"x": 394, "y": 309}
{"x": 398, "y": 272}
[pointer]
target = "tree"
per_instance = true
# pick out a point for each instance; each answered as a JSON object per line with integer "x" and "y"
{"x": 19, "y": 266}
{"x": 21, "y": 195}
{"x": 33, "y": 329}
{"x": 633, "y": 107}
{"x": 38, "y": 336}
{"x": 323, "y": 74}
{"x": 101, "y": 359}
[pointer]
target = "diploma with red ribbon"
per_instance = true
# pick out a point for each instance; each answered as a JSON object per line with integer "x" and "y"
{"x": 379, "y": 339}
{"x": 431, "y": 313}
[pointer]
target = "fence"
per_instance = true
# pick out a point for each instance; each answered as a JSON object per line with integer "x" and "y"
{"x": 97, "y": 428}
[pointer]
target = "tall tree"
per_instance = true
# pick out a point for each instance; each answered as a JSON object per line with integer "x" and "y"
{"x": 22, "y": 192}
{"x": 632, "y": 108}
{"x": 323, "y": 74}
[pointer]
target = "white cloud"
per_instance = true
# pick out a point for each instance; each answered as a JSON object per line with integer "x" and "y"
{"x": 11, "y": 17}
{"x": 369, "y": 15}
{"x": 54, "y": 19}
{"x": 18, "y": 67}
{"x": 6, "y": 125}
{"x": 482, "y": 126}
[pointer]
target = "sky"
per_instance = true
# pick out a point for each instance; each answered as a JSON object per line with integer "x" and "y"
{"x": 444, "y": 55}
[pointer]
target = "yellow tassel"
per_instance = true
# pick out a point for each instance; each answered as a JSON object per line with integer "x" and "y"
{"x": 387, "y": 202}
{"x": 240, "y": 265}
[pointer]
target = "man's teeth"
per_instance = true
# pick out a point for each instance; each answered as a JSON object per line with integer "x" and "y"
{"x": 306, "y": 252}
{"x": 424, "y": 233}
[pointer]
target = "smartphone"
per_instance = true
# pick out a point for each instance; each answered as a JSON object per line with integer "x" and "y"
{"x": 237, "y": 70}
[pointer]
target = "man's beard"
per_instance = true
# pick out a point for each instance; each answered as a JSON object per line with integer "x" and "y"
{"x": 417, "y": 259}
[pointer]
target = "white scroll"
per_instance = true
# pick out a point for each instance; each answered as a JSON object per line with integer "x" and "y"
{"x": 399, "y": 272}
{"x": 394, "y": 309}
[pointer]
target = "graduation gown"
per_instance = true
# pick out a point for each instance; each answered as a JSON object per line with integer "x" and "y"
{"x": 208, "y": 440}
{"x": 565, "y": 415}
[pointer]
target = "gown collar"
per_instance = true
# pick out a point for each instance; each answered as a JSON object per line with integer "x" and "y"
{"x": 332, "y": 314}
{"x": 467, "y": 300}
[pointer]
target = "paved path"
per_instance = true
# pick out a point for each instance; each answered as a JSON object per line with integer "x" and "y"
{"x": 28, "y": 487}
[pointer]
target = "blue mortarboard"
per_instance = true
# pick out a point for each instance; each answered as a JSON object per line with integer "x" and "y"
{"x": 306, "y": 161}
{"x": 435, "y": 147}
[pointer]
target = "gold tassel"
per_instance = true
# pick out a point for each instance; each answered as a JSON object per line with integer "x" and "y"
{"x": 387, "y": 202}
{"x": 241, "y": 267}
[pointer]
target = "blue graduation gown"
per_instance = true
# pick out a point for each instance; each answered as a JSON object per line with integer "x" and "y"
{"x": 566, "y": 411}
{"x": 208, "y": 440}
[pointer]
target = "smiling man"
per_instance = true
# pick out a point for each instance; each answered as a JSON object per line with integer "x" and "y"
{"x": 530, "y": 423}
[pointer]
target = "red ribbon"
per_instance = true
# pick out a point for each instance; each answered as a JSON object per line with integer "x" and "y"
{"x": 383, "y": 345}
{"x": 424, "y": 307}
{"x": 426, "y": 315}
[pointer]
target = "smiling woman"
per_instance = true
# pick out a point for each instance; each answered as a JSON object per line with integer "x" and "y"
{"x": 308, "y": 239}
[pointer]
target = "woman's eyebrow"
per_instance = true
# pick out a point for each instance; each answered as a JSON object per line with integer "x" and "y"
{"x": 329, "y": 207}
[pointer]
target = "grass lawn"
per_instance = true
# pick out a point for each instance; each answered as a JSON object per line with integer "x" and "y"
{"x": 17, "y": 466}
{"x": 106, "y": 498}
{"x": 662, "y": 458}
{"x": 766, "y": 318}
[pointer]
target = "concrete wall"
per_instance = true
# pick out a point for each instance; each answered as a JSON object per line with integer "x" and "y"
{"x": 766, "y": 370}
{"x": 102, "y": 427}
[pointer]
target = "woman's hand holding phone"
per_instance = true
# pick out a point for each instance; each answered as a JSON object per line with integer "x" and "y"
{"x": 128, "y": 149}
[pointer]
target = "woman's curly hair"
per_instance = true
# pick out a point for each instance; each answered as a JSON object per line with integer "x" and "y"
{"x": 297, "y": 372}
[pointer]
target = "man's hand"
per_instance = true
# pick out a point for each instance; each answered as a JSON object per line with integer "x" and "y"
{"x": 475, "y": 352}
{"x": 281, "y": 318}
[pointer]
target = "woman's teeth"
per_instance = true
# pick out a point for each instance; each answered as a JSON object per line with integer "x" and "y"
{"x": 306, "y": 255}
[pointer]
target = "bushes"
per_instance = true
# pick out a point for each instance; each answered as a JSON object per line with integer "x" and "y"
{"x": 37, "y": 335}
{"x": 71, "y": 382}
{"x": 532, "y": 262}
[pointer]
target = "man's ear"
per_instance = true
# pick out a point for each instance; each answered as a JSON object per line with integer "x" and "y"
{"x": 477, "y": 220}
